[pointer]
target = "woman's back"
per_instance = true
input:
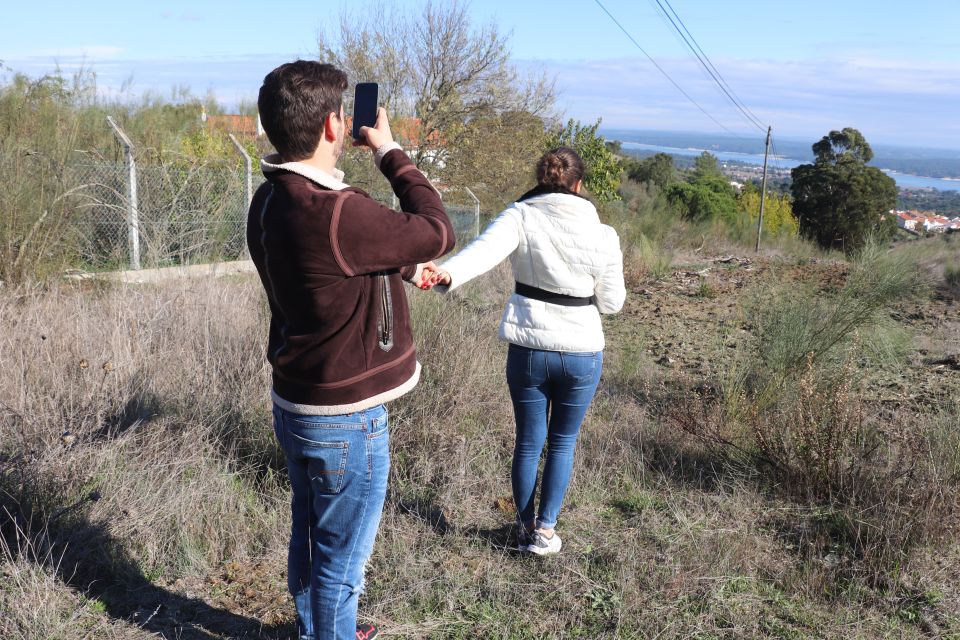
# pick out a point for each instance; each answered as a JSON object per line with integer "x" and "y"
{"x": 563, "y": 247}
{"x": 556, "y": 245}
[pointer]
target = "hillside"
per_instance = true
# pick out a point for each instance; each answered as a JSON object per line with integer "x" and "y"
{"x": 144, "y": 496}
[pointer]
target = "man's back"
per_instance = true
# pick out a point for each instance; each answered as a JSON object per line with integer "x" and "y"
{"x": 331, "y": 261}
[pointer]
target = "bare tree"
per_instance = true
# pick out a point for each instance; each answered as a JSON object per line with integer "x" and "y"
{"x": 436, "y": 66}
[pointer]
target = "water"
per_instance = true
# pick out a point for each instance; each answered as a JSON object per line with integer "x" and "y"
{"x": 907, "y": 181}
{"x": 904, "y": 180}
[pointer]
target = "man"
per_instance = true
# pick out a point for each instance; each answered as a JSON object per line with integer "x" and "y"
{"x": 332, "y": 261}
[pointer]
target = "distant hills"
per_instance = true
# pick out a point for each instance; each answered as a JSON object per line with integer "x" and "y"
{"x": 933, "y": 163}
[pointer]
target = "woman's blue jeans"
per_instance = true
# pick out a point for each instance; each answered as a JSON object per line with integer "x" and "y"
{"x": 338, "y": 468}
{"x": 551, "y": 391}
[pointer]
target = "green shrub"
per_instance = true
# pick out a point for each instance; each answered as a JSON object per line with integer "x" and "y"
{"x": 951, "y": 274}
{"x": 793, "y": 406}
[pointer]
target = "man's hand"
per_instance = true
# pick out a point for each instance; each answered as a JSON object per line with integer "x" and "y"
{"x": 376, "y": 136}
{"x": 432, "y": 275}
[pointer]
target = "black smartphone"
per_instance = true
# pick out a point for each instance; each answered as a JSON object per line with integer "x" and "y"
{"x": 364, "y": 106}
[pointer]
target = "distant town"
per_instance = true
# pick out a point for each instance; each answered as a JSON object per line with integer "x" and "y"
{"x": 919, "y": 222}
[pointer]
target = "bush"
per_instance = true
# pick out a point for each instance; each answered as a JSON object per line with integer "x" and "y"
{"x": 64, "y": 203}
{"x": 802, "y": 324}
{"x": 794, "y": 408}
{"x": 951, "y": 274}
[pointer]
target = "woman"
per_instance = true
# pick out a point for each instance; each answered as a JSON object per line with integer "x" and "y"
{"x": 568, "y": 270}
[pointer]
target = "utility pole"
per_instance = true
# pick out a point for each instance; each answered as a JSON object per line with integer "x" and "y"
{"x": 763, "y": 188}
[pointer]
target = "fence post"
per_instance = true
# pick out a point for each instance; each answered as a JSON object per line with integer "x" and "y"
{"x": 133, "y": 215}
{"x": 247, "y": 166}
{"x": 476, "y": 213}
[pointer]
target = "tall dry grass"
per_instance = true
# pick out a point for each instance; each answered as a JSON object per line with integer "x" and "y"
{"x": 794, "y": 406}
{"x": 135, "y": 433}
{"x": 142, "y": 495}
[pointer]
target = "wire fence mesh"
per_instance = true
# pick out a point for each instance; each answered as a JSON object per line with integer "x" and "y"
{"x": 180, "y": 212}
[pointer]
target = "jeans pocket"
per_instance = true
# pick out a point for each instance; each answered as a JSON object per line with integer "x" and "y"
{"x": 579, "y": 367}
{"x": 518, "y": 365}
{"x": 326, "y": 463}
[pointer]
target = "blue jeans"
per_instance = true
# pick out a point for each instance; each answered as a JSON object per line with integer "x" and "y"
{"x": 551, "y": 391}
{"x": 338, "y": 467}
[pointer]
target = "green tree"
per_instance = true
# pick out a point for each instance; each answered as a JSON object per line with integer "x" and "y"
{"x": 603, "y": 167}
{"x": 847, "y": 145}
{"x": 497, "y": 155}
{"x": 707, "y": 194}
{"x": 708, "y": 199}
{"x": 839, "y": 201}
{"x": 658, "y": 169}
{"x": 705, "y": 165}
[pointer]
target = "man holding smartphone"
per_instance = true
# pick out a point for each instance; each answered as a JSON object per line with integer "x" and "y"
{"x": 332, "y": 262}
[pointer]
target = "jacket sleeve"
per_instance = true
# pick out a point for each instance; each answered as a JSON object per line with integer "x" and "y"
{"x": 490, "y": 248}
{"x": 609, "y": 290}
{"x": 369, "y": 237}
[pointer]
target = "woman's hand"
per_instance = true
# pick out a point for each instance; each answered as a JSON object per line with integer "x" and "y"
{"x": 433, "y": 275}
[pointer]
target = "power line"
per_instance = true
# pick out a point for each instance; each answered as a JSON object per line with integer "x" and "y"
{"x": 661, "y": 70}
{"x": 776, "y": 155}
{"x": 777, "y": 162}
{"x": 708, "y": 65}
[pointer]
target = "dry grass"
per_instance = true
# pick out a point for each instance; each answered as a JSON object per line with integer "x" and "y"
{"x": 136, "y": 442}
{"x": 141, "y": 494}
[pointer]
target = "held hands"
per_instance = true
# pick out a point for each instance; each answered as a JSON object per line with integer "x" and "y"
{"x": 432, "y": 275}
{"x": 376, "y": 136}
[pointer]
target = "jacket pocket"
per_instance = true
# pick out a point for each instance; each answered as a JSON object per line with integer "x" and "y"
{"x": 385, "y": 322}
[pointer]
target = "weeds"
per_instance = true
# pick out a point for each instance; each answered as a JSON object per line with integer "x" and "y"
{"x": 155, "y": 399}
{"x": 794, "y": 406}
{"x": 951, "y": 274}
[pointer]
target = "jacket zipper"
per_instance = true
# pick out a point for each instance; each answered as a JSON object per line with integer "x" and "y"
{"x": 385, "y": 324}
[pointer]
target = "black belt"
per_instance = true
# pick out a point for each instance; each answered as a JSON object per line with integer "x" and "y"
{"x": 527, "y": 291}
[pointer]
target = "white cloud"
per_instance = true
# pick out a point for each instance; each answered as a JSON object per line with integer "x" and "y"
{"x": 890, "y": 100}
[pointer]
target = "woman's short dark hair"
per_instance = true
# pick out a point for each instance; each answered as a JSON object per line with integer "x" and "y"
{"x": 560, "y": 168}
{"x": 294, "y": 102}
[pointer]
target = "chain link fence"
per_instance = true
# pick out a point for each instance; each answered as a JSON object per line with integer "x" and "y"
{"x": 181, "y": 213}
{"x": 178, "y": 213}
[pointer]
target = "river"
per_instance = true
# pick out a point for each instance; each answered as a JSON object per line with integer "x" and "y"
{"x": 904, "y": 180}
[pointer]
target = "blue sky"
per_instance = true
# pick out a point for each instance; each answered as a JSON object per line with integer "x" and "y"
{"x": 891, "y": 69}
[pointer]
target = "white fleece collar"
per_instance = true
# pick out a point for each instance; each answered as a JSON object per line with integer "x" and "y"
{"x": 332, "y": 181}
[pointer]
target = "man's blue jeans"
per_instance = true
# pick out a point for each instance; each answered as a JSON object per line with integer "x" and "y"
{"x": 551, "y": 391}
{"x": 338, "y": 468}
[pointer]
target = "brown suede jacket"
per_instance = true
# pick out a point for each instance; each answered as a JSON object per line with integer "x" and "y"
{"x": 332, "y": 261}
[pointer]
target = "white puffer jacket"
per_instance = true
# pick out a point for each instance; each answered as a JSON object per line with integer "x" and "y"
{"x": 555, "y": 242}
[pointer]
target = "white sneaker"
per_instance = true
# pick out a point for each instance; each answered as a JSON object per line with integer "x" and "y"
{"x": 541, "y": 544}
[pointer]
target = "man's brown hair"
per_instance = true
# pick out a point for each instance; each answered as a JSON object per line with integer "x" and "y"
{"x": 294, "y": 102}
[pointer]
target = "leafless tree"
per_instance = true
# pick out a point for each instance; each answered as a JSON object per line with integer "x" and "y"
{"x": 435, "y": 65}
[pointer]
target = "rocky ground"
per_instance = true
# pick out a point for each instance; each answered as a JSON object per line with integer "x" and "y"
{"x": 692, "y": 322}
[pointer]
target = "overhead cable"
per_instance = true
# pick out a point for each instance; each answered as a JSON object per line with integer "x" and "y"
{"x": 707, "y": 64}
{"x": 661, "y": 69}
